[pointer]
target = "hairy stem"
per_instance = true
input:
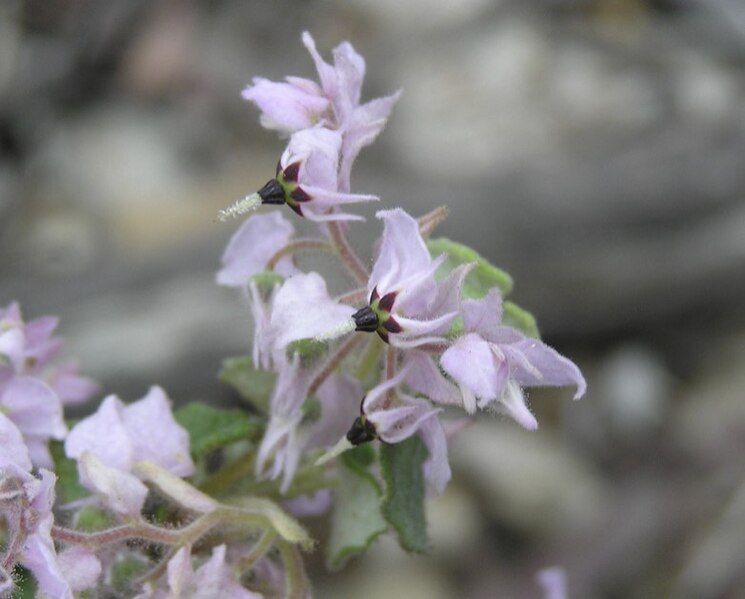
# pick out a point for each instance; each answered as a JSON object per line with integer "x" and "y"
{"x": 228, "y": 475}
{"x": 347, "y": 254}
{"x": 428, "y": 222}
{"x": 356, "y": 296}
{"x": 140, "y": 530}
{"x": 296, "y": 581}
{"x": 334, "y": 361}
{"x": 298, "y": 245}
{"x": 391, "y": 361}
{"x": 259, "y": 550}
{"x": 370, "y": 359}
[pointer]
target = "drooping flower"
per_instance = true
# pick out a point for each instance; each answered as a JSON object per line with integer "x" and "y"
{"x": 110, "y": 442}
{"x": 307, "y": 180}
{"x": 252, "y": 246}
{"x": 212, "y": 580}
{"x": 292, "y": 431}
{"x": 26, "y": 505}
{"x": 299, "y": 103}
{"x": 407, "y": 306}
{"x": 393, "y": 416}
{"x": 492, "y": 363}
{"x": 359, "y": 123}
{"x": 303, "y": 309}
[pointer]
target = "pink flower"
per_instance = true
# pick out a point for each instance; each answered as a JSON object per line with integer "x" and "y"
{"x": 29, "y": 348}
{"x": 212, "y": 579}
{"x": 308, "y": 176}
{"x": 393, "y": 416}
{"x": 288, "y": 435}
{"x": 110, "y": 442}
{"x": 491, "y": 363}
{"x": 359, "y": 123}
{"x": 302, "y": 309}
{"x": 288, "y": 107}
{"x": 407, "y": 306}
{"x": 26, "y": 505}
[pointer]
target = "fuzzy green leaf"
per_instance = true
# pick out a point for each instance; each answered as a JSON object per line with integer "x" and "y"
{"x": 211, "y": 428}
{"x": 522, "y": 320}
{"x": 403, "y": 505}
{"x": 483, "y": 277}
{"x": 68, "y": 488}
{"x": 357, "y": 520}
{"x": 254, "y": 386}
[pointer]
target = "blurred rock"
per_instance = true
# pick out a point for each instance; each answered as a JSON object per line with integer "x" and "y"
{"x": 715, "y": 566}
{"x": 633, "y": 387}
{"x": 529, "y": 481}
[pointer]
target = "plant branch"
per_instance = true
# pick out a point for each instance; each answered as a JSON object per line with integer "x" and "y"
{"x": 428, "y": 222}
{"x": 356, "y": 296}
{"x": 298, "y": 246}
{"x": 347, "y": 254}
{"x": 334, "y": 361}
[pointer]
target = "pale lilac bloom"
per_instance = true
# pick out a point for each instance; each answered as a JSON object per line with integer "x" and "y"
{"x": 287, "y": 436}
{"x": 492, "y": 363}
{"x": 287, "y": 106}
{"x": 29, "y": 348}
{"x": 309, "y": 166}
{"x": 26, "y": 503}
{"x": 70, "y": 386}
{"x": 397, "y": 419}
{"x": 342, "y": 84}
{"x": 260, "y": 302}
{"x": 36, "y": 410}
{"x": 110, "y": 442}
{"x": 80, "y": 567}
{"x": 303, "y": 309}
{"x": 281, "y": 443}
{"x": 412, "y": 308}
{"x": 212, "y": 580}
{"x": 252, "y": 246}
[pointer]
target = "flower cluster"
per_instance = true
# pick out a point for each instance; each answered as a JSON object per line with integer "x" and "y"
{"x": 352, "y": 393}
{"x": 441, "y": 348}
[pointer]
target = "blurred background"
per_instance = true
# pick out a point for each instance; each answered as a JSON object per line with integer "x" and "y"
{"x": 593, "y": 148}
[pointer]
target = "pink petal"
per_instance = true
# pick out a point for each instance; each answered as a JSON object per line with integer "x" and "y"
{"x": 425, "y": 377}
{"x": 70, "y": 386}
{"x": 34, "y": 407}
{"x": 403, "y": 254}
{"x": 120, "y": 491}
{"x": 436, "y": 467}
{"x": 215, "y": 579}
{"x": 484, "y": 316}
{"x": 471, "y": 362}
{"x": 252, "y": 246}
{"x": 554, "y": 369}
{"x": 340, "y": 397}
{"x": 512, "y": 403}
{"x": 39, "y": 557}
{"x": 288, "y": 107}
{"x": 155, "y": 434}
{"x": 80, "y": 567}
{"x": 303, "y": 309}
{"x": 103, "y": 433}
{"x": 12, "y": 448}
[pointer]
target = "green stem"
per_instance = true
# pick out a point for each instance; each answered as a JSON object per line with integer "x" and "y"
{"x": 296, "y": 581}
{"x": 230, "y": 474}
